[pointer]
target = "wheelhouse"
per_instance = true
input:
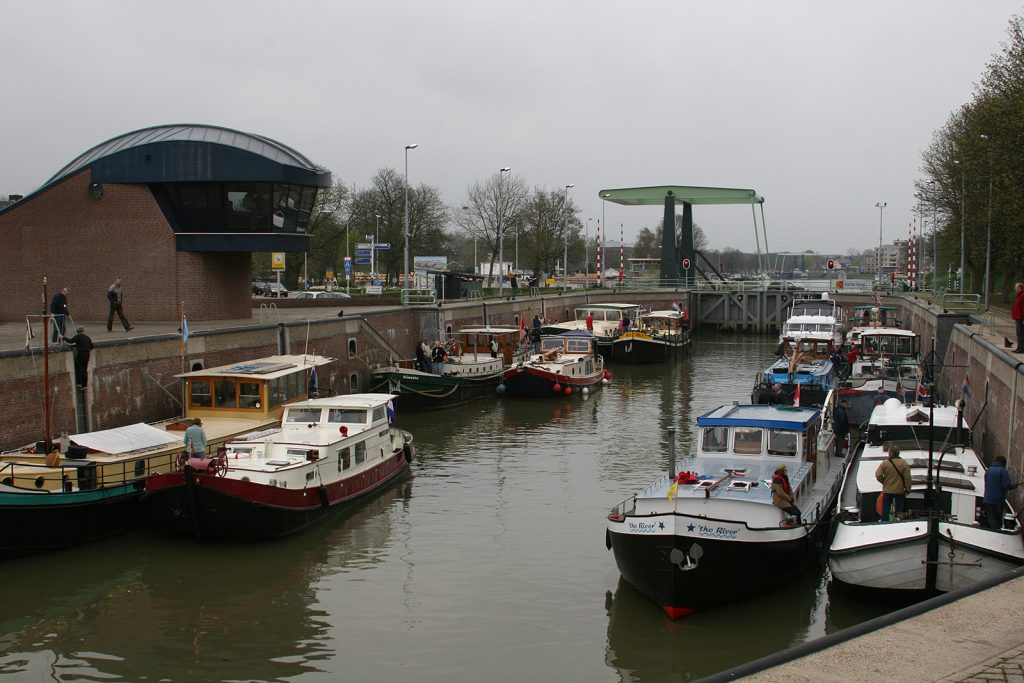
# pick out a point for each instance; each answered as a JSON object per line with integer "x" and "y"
{"x": 759, "y": 432}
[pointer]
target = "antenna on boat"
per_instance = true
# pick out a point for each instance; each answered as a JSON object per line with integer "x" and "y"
{"x": 47, "y": 441}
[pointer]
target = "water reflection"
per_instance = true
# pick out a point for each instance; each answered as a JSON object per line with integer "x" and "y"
{"x": 181, "y": 611}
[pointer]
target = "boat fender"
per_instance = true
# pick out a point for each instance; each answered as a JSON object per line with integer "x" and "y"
{"x": 325, "y": 501}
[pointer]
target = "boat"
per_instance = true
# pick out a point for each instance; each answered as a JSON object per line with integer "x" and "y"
{"x": 940, "y": 544}
{"x": 89, "y": 486}
{"x": 566, "y": 364}
{"x": 807, "y": 367}
{"x": 605, "y": 319}
{"x": 658, "y": 336}
{"x": 887, "y": 366}
{"x": 866, "y": 316}
{"x": 469, "y": 373}
{"x": 327, "y": 454}
{"x": 706, "y": 532}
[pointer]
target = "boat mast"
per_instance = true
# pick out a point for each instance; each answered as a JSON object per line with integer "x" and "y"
{"x": 47, "y": 441}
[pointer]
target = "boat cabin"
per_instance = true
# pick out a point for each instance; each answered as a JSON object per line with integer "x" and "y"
{"x": 554, "y": 346}
{"x": 477, "y": 341}
{"x": 611, "y": 313}
{"x": 662, "y": 323}
{"x": 253, "y": 389}
{"x": 888, "y": 342}
{"x": 759, "y": 432}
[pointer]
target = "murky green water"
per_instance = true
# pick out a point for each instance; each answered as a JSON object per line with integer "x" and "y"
{"x": 488, "y": 563}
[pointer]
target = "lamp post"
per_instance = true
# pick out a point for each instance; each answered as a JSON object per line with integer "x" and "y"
{"x": 405, "y": 230}
{"x": 881, "y": 208}
{"x": 500, "y": 210}
{"x": 988, "y": 238}
{"x": 565, "y": 250}
{"x": 963, "y": 221}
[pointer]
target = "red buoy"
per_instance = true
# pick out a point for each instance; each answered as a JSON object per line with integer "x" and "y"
{"x": 607, "y": 375}
{"x": 568, "y": 391}
{"x": 557, "y": 388}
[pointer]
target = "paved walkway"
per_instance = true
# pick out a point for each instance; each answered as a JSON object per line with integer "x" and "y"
{"x": 976, "y": 638}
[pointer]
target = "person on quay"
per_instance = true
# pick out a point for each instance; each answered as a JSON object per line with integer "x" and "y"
{"x": 195, "y": 440}
{"x": 115, "y": 296}
{"x": 59, "y": 309}
{"x": 513, "y": 282}
{"x": 1018, "y": 316}
{"x": 782, "y": 493}
{"x": 997, "y": 484}
{"x": 83, "y": 349}
{"x": 894, "y": 476}
{"x": 841, "y": 426}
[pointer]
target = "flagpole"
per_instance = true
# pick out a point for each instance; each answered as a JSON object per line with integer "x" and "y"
{"x": 184, "y": 331}
{"x": 47, "y": 442}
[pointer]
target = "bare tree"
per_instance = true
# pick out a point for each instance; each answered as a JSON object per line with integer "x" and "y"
{"x": 492, "y": 208}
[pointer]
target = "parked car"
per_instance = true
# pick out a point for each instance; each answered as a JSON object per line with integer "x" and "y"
{"x": 275, "y": 289}
{"x": 259, "y": 288}
{"x": 321, "y": 295}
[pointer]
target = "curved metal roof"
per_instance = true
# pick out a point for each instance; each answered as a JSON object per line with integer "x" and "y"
{"x": 189, "y": 132}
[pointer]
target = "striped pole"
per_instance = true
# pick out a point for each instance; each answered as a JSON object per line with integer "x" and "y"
{"x": 622, "y": 254}
{"x": 599, "y": 251}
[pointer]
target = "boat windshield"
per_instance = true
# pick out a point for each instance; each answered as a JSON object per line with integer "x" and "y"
{"x": 747, "y": 441}
{"x": 347, "y": 415}
{"x": 781, "y": 442}
{"x": 302, "y": 415}
{"x": 716, "y": 440}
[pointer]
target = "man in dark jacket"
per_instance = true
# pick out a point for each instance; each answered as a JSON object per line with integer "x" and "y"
{"x": 997, "y": 483}
{"x": 841, "y": 426}
{"x": 59, "y": 309}
{"x": 83, "y": 349}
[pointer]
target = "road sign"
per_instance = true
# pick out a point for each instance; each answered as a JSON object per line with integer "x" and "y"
{"x": 363, "y": 252}
{"x": 382, "y": 245}
{"x": 277, "y": 260}
{"x": 362, "y": 261}
{"x": 364, "y": 245}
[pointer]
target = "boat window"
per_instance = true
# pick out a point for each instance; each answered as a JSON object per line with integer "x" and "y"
{"x": 360, "y": 452}
{"x": 747, "y": 441}
{"x": 199, "y": 395}
{"x": 781, "y": 442}
{"x": 379, "y": 413}
{"x": 224, "y": 393}
{"x": 904, "y": 346}
{"x": 249, "y": 394}
{"x": 344, "y": 459}
{"x": 869, "y": 344}
{"x": 716, "y": 440}
{"x": 296, "y": 384}
{"x": 347, "y": 415}
{"x": 302, "y": 415}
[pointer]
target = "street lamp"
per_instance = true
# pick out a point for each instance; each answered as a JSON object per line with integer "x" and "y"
{"x": 501, "y": 233}
{"x": 405, "y": 275}
{"x": 988, "y": 239}
{"x": 963, "y": 221}
{"x": 565, "y": 250}
{"x": 881, "y": 208}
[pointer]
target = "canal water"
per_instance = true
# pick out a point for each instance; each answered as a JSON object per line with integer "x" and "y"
{"x": 488, "y": 563}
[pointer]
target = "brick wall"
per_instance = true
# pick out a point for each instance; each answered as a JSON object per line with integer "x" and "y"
{"x": 84, "y": 243}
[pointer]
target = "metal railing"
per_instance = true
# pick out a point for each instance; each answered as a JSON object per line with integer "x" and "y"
{"x": 271, "y": 313}
{"x": 960, "y": 302}
{"x": 418, "y": 297}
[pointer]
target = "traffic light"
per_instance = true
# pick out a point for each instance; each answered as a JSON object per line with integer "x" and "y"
{"x": 831, "y": 264}
{"x": 686, "y": 264}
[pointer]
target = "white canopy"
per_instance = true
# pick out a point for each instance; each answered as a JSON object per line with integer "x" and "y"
{"x": 124, "y": 439}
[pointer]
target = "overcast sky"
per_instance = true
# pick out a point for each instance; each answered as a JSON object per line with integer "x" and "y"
{"x": 823, "y": 108}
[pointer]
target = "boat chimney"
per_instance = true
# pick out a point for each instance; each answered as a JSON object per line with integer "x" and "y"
{"x": 671, "y": 452}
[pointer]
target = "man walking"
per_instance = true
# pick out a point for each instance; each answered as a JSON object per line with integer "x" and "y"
{"x": 1018, "y": 316}
{"x": 114, "y": 296}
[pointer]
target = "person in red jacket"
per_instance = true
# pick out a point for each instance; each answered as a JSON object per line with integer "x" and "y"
{"x": 1018, "y": 317}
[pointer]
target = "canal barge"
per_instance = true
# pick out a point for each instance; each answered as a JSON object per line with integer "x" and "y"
{"x": 708, "y": 532}
{"x": 606, "y": 321}
{"x": 471, "y": 370}
{"x": 327, "y": 454}
{"x": 942, "y": 542}
{"x": 566, "y": 364}
{"x": 886, "y": 366}
{"x": 657, "y": 337}
{"x": 89, "y": 486}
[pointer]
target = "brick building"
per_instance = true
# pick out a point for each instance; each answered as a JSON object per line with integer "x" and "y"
{"x": 176, "y": 211}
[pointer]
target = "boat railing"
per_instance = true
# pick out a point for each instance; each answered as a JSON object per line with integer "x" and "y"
{"x": 86, "y": 475}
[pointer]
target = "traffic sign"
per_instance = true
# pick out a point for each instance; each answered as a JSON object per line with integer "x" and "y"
{"x": 363, "y": 252}
{"x": 362, "y": 261}
{"x": 382, "y": 245}
{"x": 364, "y": 245}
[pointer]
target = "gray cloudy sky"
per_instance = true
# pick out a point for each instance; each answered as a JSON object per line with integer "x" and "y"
{"x": 821, "y": 107}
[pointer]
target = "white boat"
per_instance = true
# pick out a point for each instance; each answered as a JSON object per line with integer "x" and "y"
{"x": 940, "y": 544}
{"x": 707, "y": 532}
{"x": 327, "y": 454}
{"x": 887, "y": 365}
{"x": 605, "y": 319}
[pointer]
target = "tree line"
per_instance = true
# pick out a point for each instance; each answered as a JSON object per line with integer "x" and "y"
{"x": 973, "y": 172}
